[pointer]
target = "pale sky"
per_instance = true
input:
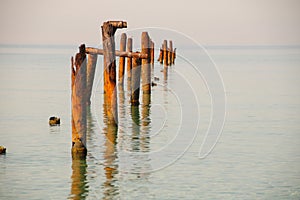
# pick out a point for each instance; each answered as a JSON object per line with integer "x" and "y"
{"x": 209, "y": 22}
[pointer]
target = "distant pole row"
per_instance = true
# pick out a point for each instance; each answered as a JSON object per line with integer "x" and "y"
{"x": 167, "y": 55}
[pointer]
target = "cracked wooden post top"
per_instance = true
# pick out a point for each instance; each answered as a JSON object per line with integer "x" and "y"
{"x": 118, "y": 24}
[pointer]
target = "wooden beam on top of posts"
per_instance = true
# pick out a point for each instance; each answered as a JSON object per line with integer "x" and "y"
{"x": 128, "y": 54}
{"x": 108, "y": 32}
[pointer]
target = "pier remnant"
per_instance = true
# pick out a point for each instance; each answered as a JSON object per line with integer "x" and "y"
{"x": 122, "y": 59}
{"x": 78, "y": 98}
{"x": 146, "y": 70}
{"x": 91, "y": 67}
{"x": 135, "y": 81}
{"x": 108, "y": 37}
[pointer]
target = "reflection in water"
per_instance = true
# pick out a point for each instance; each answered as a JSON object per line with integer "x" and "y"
{"x": 79, "y": 186}
{"x": 165, "y": 71}
{"x": 145, "y": 138}
{"x": 138, "y": 143}
{"x": 110, "y": 188}
{"x": 135, "y": 116}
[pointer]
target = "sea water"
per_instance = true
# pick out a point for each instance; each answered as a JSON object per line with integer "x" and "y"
{"x": 256, "y": 157}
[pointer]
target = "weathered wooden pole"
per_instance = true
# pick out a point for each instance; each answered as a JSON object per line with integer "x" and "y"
{"x": 135, "y": 81}
{"x": 165, "y": 55}
{"x": 174, "y": 55}
{"x": 78, "y": 99}
{"x": 129, "y": 64}
{"x": 122, "y": 59}
{"x": 108, "y": 31}
{"x": 146, "y": 69}
{"x": 170, "y": 52}
{"x": 91, "y": 67}
{"x": 152, "y": 53}
{"x": 161, "y": 56}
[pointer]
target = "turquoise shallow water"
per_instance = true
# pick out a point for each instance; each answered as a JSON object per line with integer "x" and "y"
{"x": 257, "y": 156}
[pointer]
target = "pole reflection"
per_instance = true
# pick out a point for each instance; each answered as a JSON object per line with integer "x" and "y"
{"x": 79, "y": 186}
{"x": 110, "y": 189}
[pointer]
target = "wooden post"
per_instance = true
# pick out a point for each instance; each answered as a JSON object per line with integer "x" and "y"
{"x": 152, "y": 53}
{"x": 129, "y": 64}
{"x": 170, "y": 52}
{"x": 78, "y": 98}
{"x": 91, "y": 67}
{"x": 108, "y": 31}
{"x": 174, "y": 55}
{"x": 122, "y": 59}
{"x": 161, "y": 56}
{"x": 165, "y": 49}
{"x": 135, "y": 81}
{"x": 146, "y": 70}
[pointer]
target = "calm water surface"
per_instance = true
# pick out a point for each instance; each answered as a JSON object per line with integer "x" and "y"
{"x": 257, "y": 156}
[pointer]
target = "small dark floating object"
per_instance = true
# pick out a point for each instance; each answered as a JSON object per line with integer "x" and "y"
{"x": 2, "y": 150}
{"x": 153, "y": 84}
{"x": 54, "y": 121}
{"x": 156, "y": 78}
